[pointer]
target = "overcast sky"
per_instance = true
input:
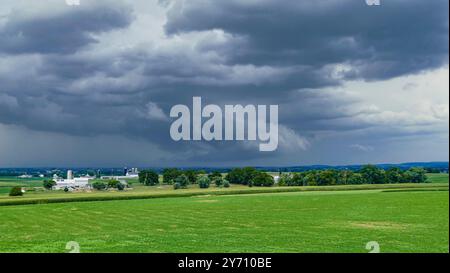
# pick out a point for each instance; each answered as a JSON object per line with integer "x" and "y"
{"x": 93, "y": 85}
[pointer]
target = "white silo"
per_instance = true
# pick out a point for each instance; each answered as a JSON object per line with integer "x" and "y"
{"x": 69, "y": 175}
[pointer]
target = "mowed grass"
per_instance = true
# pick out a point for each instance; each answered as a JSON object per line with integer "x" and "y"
{"x": 344, "y": 221}
{"x": 438, "y": 177}
{"x": 25, "y": 182}
{"x": 6, "y": 183}
{"x": 167, "y": 191}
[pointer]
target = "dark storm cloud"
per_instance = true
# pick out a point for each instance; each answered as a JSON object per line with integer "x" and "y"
{"x": 396, "y": 38}
{"x": 62, "y": 32}
{"x": 59, "y": 73}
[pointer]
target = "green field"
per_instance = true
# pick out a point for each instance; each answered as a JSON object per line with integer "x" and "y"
{"x": 400, "y": 217}
{"x": 6, "y": 183}
{"x": 438, "y": 177}
{"x": 409, "y": 221}
{"x": 36, "y": 195}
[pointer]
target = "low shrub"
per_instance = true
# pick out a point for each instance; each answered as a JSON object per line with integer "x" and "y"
{"x": 148, "y": 177}
{"x": 262, "y": 179}
{"x": 16, "y": 191}
{"x": 176, "y": 186}
{"x": 182, "y": 180}
{"x": 218, "y": 181}
{"x": 214, "y": 175}
{"x": 226, "y": 183}
{"x": 113, "y": 184}
{"x": 99, "y": 185}
{"x": 203, "y": 182}
{"x": 48, "y": 184}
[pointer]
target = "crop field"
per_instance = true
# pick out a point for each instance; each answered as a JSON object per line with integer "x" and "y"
{"x": 6, "y": 183}
{"x": 36, "y": 194}
{"x": 400, "y": 217}
{"x": 324, "y": 221}
{"x": 438, "y": 177}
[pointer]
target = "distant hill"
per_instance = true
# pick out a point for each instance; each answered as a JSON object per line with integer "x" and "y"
{"x": 435, "y": 166}
{"x": 440, "y": 166}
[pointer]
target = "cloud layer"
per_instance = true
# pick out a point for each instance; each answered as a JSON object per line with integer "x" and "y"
{"x": 351, "y": 80}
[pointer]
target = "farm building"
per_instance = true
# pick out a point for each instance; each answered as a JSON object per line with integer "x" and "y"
{"x": 71, "y": 182}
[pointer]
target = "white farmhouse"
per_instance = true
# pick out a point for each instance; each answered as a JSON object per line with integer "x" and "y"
{"x": 71, "y": 182}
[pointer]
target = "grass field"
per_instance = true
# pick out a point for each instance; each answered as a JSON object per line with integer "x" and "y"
{"x": 6, "y": 183}
{"x": 402, "y": 221}
{"x": 400, "y": 217}
{"x": 438, "y": 177}
{"x": 142, "y": 192}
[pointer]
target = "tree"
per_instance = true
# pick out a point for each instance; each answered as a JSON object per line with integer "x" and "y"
{"x": 310, "y": 179}
{"x": 169, "y": 175}
{"x": 327, "y": 177}
{"x": 214, "y": 175}
{"x": 285, "y": 179}
{"x": 49, "y": 184}
{"x": 394, "y": 175}
{"x": 416, "y": 175}
{"x": 192, "y": 176}
{"x": 355, "y": 179}
{"x": 344, "y": 177}
{"x": 148, "y": 177}
{"x": 263, "y": 179}
{"x": 235, "y": 176}
{"x": 113, "y": 184}
{"x": 182, "y": 180}
{"x": 204, "y": 182}
{"x": 16, "y": 191}
{"x": 373, "y": 174}
{"x": 226, "y": 183}
{"x": 218, "y": 181}
{"x": 242, "y": 176}
{"x": 98, "y": 185}
{"x": 298, "y": 179}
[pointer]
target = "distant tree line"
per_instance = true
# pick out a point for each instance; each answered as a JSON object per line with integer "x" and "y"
{"x": 249, "y": 176}
{"x": 110, "y": 184}
{"x": 368, "y": 174}
{"x": 180, "y": 179}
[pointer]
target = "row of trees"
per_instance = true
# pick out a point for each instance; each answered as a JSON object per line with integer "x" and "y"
{"x": 110, "y": 184}
{"x": 181, "y": 179}
{"x": 151, "y": 178}
{"x": 251, "y": 177}
{"x": 367, "y": 175}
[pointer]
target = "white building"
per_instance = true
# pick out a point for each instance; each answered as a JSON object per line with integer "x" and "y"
{"x": 69, "y": 175}
{"x": 128, "y": 173}
{"x": 276, "y": 178}
{"x": 71, "y": 182}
